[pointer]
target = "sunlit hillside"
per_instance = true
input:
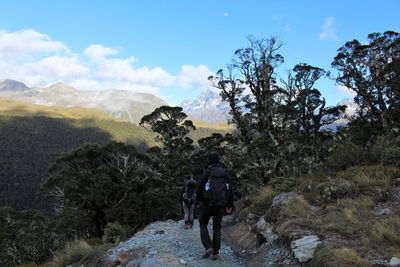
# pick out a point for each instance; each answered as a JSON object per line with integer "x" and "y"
{"x": 32, "y": 136}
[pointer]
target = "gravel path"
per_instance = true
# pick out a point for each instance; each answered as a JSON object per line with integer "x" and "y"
{"x": 170, "y": 245}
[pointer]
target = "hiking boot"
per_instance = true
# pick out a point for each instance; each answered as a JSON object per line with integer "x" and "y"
{"x": 215, "y": 257}
{"x": 208, "y": 252}
{"x": 190, "y": 226}
{"x": 186, "y": 226}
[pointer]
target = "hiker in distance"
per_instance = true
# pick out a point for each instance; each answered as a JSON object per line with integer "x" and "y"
{"x": 188, "y": 200}
{"x": 215, "y": 194}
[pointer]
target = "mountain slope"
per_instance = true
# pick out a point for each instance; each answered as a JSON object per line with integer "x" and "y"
{"x": 121, "y": 104}
{"x": 32, "y": 136}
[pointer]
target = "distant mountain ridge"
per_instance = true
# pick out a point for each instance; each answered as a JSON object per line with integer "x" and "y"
{"x": 208, "y": 107}
{"x": 121, "y": 104}
{"x": 12, "y": 85}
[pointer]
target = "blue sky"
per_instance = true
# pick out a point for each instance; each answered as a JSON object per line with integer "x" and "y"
{"x": 169, "y": 48}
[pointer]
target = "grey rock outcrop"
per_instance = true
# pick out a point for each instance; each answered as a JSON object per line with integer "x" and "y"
{"x": 394, "y": 261}
{"x": 278, "y": 204}
{"x": 304, "y": 248}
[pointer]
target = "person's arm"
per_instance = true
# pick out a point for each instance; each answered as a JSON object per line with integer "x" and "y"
{"x": 230, "y": 198}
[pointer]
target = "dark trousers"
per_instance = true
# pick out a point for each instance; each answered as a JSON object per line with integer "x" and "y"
{"x": 205, "y": 215}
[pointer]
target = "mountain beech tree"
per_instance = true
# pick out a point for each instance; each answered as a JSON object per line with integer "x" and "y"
{"x": 103, "y": 184}
{"x": 252, "y": 96}
{"x": 171, "y": 125}
{"x": 174, "y": 159}
{"x": 372, "y": 71}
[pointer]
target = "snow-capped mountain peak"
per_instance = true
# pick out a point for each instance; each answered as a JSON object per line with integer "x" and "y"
{"x": 208, "y": 106}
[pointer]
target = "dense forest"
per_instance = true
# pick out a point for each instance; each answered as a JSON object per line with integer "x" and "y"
{"x": 106, "y": 191}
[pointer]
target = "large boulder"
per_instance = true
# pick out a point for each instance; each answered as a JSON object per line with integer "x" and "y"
{"x": 304, "y": 248}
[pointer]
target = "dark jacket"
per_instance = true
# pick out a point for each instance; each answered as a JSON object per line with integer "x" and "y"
{"x": 218, "y": 171}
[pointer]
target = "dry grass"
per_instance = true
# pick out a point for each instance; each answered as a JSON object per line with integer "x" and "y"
{"x": 349, "y": 258}
{"x": 342, "y": 222}
{"x": 385, "y": 233}
{"x": 79, "y": 253}
{"x": 298, "y": 207}
{"x": 361, "y": 207}
{"x": 341, "y": 257}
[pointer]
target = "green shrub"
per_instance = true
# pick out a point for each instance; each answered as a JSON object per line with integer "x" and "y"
{"x": 258, "y": 204}
{"x": 284, "y": 184}
{"x": 335, "y": 189}
{"x": 115, "y": 232}
{"x": 348, "y": 154}
{"x": 387, "y": 150}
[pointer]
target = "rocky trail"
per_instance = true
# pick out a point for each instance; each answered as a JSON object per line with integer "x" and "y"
{"x": 169, "y": 244}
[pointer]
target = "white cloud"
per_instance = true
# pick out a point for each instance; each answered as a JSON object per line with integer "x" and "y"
{"x": 328, "y": 31}
{"x": 98, "y": 53}
{"x": 193, "y": 76}
{"x": 345, "y": 92}
{"x": 226, "y": 14}
{"x": 27, "y": 42}
{"x": 35, "y": 59}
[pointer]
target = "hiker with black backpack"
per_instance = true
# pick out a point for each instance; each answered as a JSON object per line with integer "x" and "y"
{"x": 188, "y": 201}
{"x": 214, "y": 191}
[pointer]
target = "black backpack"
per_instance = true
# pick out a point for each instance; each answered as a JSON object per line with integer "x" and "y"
{"x": 189, "y": 195}
{"x": 216, "y": 191}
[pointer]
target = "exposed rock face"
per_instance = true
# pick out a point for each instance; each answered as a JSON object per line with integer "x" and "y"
{"x": 304, "y": 248}
{"x": 208, "y": 107}
{"x": 394, "y": 261}
{"x": 278, "y": 204}
{"x": 11, "y": 85}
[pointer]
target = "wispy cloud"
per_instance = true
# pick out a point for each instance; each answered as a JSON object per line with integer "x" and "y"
{"x": 37, "y": 60}
{"x": 276, "y": 17}
{"x": 328, "y": 31}
{"x": 226, "y": 14}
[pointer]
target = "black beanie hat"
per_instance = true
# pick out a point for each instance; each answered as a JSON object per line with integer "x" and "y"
{"x": 213, "y": 158}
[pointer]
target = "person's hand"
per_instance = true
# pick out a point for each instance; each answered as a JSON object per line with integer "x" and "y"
{"x": 228, "y": 210}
